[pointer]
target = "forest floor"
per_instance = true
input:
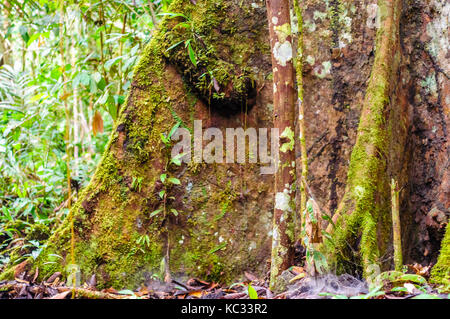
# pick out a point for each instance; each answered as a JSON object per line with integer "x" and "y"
{"x": 298, "y": 286}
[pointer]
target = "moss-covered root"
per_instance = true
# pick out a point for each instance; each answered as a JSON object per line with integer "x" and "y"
{"x": 441, "y": 271}
{"x": 8, "y": 274}
{"x": 362, "y": 219}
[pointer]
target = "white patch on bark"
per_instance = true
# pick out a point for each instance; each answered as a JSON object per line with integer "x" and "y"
{"x": 294, "y": 21}
{"x": 310, "y": 60}
{"x": 321, "y": 71}
{"x": 282, "y": 200}
{"x": 282, "y": 52}
{"x": 437, "y": 29}
{"x": 275, "y": 20}
{"x": 275, "y": 237}
{"x": 319, "y": 15}
{"x": 345, "y": 39}
{"x": 372, "y": 16}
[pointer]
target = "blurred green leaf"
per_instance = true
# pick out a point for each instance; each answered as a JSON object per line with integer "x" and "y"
{"x": 252, "y": 292}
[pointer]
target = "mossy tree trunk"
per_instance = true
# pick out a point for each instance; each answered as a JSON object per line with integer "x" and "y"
{"x": 441, "y": 271}
{"x": 224, "y": 217}
{"x": 362, "y": 235}
{"x": 364, "y": 213}
{"x": 386, "y": 106}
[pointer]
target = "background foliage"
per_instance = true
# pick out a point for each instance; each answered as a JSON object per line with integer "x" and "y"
{"x": 100, "y": 43}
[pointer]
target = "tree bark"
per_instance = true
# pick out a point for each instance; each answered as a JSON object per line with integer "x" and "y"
{"x": 284, "y": 113}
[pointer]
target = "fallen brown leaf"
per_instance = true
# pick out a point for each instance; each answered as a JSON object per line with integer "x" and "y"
{"x": 61, "y": 295}
{"x": 53, "y": 277}
{"x": 56, "y": 282}
{"x": 213, "y": 286}
{"x": 197, "y": 294}
{"x": 20, "y": 269}
{"x": 250, "y": 276}
{"x": 297, "y": 270}
{"x": 36, "y": 274}
{"x": 421, "y": 270}
{"x": 110, "y": 290}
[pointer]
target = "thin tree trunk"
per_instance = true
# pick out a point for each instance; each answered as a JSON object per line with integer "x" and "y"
{"x": 397, "y": 234}
{"x": 5, "y": 49}
{"x": 67, "y": 131}
{"x": 120, "y": 73}
{"x": 76, "y": 114}
{"x": 284, "y": 115}
{"x": 301, "y": 111}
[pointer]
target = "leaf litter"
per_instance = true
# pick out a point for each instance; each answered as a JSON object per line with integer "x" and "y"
{"x": 299, "y": 286}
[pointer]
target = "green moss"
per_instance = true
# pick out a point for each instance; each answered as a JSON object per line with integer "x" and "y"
{"x": 440, "y": 273}
{"x": 202, "y": 249}
{"x": 110, "y": 249}
{"x": 199, "y": 260}
{"x": 8, "y": 274}
{"x": 366, "y": 183}
{"x": 120, "y": 263}
{"x": 38, "y": 232}
{"x": 221, "y": 52}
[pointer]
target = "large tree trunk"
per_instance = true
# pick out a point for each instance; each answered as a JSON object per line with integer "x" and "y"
{"x": 224, "y": 226}
{"x": 225, "y": 210}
